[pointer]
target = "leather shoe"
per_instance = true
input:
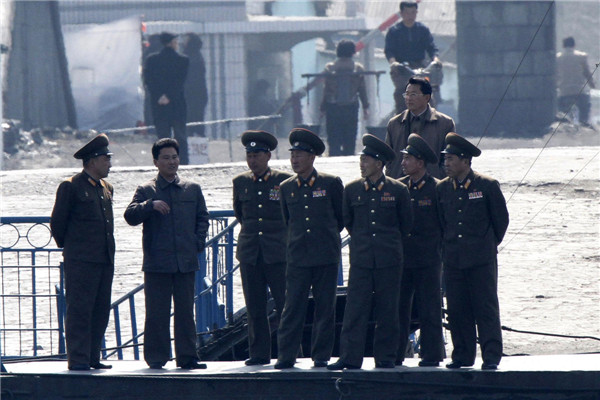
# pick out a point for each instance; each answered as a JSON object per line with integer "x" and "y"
{"x": 319, "y": 364}
{"x": 193, "y": 365}
{"x": 339, "y": 365}
{"x": 456, "y": 365}
{"x": 79, "y": 367}
{"x": 155, "y": 365}
{"x": 257, "y": 361}
{"x": 283, "y": 365}
{"x": 489, "y": 366}
{"x": 99, "y": 365}
{"x": 424, "y": 363}
{"x": 384, "y": 364}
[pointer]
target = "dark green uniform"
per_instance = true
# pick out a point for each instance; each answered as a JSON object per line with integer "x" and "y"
{"x": 312, "y": 211}
{"x": 261, "y": 252}
{"x": 376, "y": 216}
{"x": 474, "y": 219}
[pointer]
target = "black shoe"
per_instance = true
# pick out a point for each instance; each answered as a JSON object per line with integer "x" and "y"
{"x": 489, "y": 366}
{"x": 339, "y": 365}
{"x": 99, "y": 365}
{"x": 457, "y": 364}
{"x": 79, "y": 367}
{"x": 155, "y": 365}
{"x": 193, "y": 365}
{"x": 384, "y": 364}
{"x": 319, "y": 364}
{"x": 424, "y": 363}
{"x": 283, "y": 365}
{"x": 257, "y": 361}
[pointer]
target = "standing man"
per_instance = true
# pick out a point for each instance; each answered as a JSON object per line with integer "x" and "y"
{"x": 175, "y": 221}
{"x": 421, "y": 278}
{"x": 474, "y": 219}
{"x": 344, "y": 86}
{"x": 164, "y": 76}
{"x": 82, "y": 224}
{"x": 572, "y": 75}
{"x": 311, "y": 204}
{"x": 196, "y": 92}
{"x": 262, "y": 240}
{"x": 377, "y": 213}
{"x": 419, "y": 118}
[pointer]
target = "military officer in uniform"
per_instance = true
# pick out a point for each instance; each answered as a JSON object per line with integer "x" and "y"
{"x": 474, "y": 219}
{"x": 421, "y": 278}
{"x": 262, "y": 240}
{"x": 377, "y": 213}
{"x": 311, "y": 203}
{"x": 82, "y": 224}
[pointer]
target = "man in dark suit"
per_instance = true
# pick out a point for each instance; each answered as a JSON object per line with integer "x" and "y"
{"x": 164, "y": 75}
{"x": 82, "y": 224}
{"x": 421, "y": 278}
{"x": 377, "y": 213}
{"x": 311, "y": 203}
{"x": 474, "y": 220}
{"x": 262, "y": 240}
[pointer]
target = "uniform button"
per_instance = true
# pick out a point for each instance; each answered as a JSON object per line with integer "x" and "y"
{"x": 460, "y": 223}
{"x": 102, "y": 197}
{"x": 373, "y": 189}
{"x": 305, "y": 185}
{"x": 412, "y": 199}
{"x": 459, "y": 236}
{"x": 459, "y": 211}
{"x": 259, "y": 233}
{"x": 372, "y": 211}
{"x": 305, "y": 206}
{"x": 372, "y": 199}
{"x": 106, "y": 220}
{"x": 260, "y": 206}
{"x": 460, "y": 198}
{"x": 461, "y": 186}
{"x": 373, "y": 223}
{"x": 308, "y": 230}
{"x": 259, "y": 193}
{"x": 374, "y": 234}
{"x": 307, "y": 218}
{"x": 410, "y": 234}
{"x": 260, "y": 179}
{"x": 260, "y": 220}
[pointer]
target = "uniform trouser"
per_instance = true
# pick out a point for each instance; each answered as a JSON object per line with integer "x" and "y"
{"x": 422, "y": 286}
{"x": 366, "y": 288}
{"x": 88, "y": 286}
{"x": 473, "y": 308}
{"x": 169, "y": 117}
{"x": 158, "y": 290}
{"x": 342, "y": 123}
{"x": 299, "y": 280}
{"x": 255, "y": 279}
{"x": 583, "y": 105}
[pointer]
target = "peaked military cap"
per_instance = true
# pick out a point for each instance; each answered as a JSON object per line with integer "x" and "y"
{"x": 459, "y": 146}
{"x": 98, "y": 146}
{"x": 418, "y": 147}
{"x": 166, "y": 37}
{"x": 256, "y": 141}
{"x": 377, "y": 148}
{"x": 303, "y": 139}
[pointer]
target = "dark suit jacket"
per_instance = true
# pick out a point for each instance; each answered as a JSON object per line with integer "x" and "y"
{"x": 165, "y": 73}
{"x": 257, "y": 206}
{"x": 474, "y": 219}
{"x": 376, "y": 218}
{"x": 82, "y": 219}
{"x": 313, "y": 215}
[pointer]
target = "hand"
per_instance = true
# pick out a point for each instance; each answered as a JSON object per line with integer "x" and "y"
{"x": 163, "y": 100}
{"x": 161, "y": 207}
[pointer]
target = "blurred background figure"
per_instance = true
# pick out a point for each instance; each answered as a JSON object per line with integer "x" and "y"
{"x": 196, "y": 93}
{"x": 260, "y": 102}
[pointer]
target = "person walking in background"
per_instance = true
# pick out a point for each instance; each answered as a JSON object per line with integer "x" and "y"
{"x": 82, "y": 224}
{"x": 422, "y": 274}
{"x": 175, "y": 220}
{"x": 574, "y": 80}
{"x": 377, "y": 213}
{"x": 344, "y": 86}
{"x": 196, "y": 92}
{"x": 419, "y": 118}
{"x": 261, "y": 241}
{"x": 311, "y": 203}
{"x": 474, "y": 220}
{"x": 164, "y": 75}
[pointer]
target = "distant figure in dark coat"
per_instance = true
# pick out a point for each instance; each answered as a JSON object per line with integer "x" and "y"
{"x": 196, "y": 93}
{"x": 164, "y": 75}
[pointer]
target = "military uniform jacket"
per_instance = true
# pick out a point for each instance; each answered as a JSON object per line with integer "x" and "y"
{"x": 257, "y": 206}
{"x": 171, "y": 242}
{"x": 422, "y": 246}
{"x": 312, "y": 212}
{"x": 377, "y": 216}
{"x": 433, "y": 129}
{"x": 474, "y": 219}
{"x": 82, "y": 219}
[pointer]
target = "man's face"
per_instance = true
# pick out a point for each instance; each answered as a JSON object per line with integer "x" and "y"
{"x": 455, "y": 166}
{"x": 411, "y": 164}
{"x": 415, "y": 100}
{"x": 167, "y": 162}
{"x": 258, "y": 161}
{"x": 302, "y": 162}
{"x": 370, "y": 167}
{"x": 100, "y": 166}
{"x": 409, "y": 16}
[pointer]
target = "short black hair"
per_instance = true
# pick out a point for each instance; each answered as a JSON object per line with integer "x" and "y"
{"x": 408, "y": 4}
{"x": 422, "y": 82}
{"x": 569, "y": 42}
{"x": 163, "y": 143}
{"x": 345, "y": 48}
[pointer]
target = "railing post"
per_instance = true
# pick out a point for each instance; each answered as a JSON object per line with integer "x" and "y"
{"x": 229, "y": 267}
{"x": 33, "y": 303}
{"x": 214, "y": 303}
{"x": 62, "y": 308}
{"x": 200, "y": 274}
{"x": 136, "y": 350}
